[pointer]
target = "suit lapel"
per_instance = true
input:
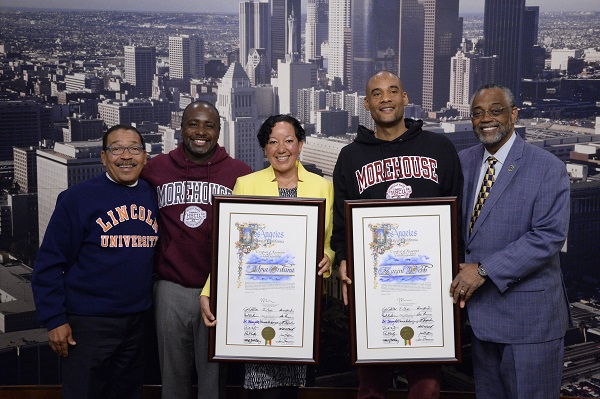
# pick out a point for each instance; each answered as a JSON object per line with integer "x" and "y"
{"x": 510, "y": 168}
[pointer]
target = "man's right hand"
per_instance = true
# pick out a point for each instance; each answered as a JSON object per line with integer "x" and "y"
{"x": 207, "y": 315}
{"x": 345, "y": 281}
{"x": 60, "y": 338}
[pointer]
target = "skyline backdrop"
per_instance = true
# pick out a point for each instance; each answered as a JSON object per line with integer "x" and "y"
{"x": 231, "y": 6}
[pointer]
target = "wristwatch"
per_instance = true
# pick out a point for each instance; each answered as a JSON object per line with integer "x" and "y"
{"x": 481, "y": 271}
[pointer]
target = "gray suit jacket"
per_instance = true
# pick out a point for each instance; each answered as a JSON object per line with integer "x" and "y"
{"x": 517, "y": 238}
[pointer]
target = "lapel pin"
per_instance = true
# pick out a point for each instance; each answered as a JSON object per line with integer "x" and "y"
{"x": 511, "y": 168}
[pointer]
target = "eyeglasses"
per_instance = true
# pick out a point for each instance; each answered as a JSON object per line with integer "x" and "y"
{"x": 133, "y": 150}
{"x": 494, "y": 112}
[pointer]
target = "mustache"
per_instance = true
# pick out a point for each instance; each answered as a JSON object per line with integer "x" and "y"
{"x": 126, "y": 164}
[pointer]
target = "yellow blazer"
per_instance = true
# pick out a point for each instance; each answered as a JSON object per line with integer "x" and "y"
{"x": 310, "y": 185}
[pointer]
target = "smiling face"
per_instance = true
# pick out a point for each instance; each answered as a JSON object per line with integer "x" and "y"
{"x": 493, "y": 131}
{"x": 125, "y": 168}
{"x": 385, "y": 99}
{"x": 200, "y": 128}
{"x": 282, "y": 148}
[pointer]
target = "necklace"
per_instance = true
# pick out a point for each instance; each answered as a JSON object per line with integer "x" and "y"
{"x": 287, "y": 184}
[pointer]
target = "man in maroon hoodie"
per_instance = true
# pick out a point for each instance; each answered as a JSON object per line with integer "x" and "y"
{"x": 185, "y": 181}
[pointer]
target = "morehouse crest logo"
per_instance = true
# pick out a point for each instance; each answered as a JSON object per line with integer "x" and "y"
{"x": 398, "y": 190}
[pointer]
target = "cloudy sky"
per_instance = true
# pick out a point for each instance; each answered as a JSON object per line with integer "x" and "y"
{"x": 232, "y": 5}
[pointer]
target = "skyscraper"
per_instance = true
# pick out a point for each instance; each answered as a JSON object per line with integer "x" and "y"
{"x": 317, "y": 24}
{"x": 410, "y": 53}
{"x": 237, "y": 106}
{"x": 443, "y": 31}
{"x": 530, "y": 38}
{"x": 255, "y": 29}
{"x": 24, "y": 123}
{"x": 375, "y": 34}
{"x": 186, "y": 57}
{"x": 339, "y": 24}
{"x": 503, "y": 22}
{"x": 140, "y": 64}
{"x": 468, "y": 72}
{"x": 280, "y": 36}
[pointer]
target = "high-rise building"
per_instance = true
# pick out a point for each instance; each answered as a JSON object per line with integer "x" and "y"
{"x": 128, "y": 112}
{"x": 186, "y": 57}
{"x": 469, "y": 71}
{"x": 83, "y": 128}
{"x": 25, "y": 168}
{"x": 339, "y": 26}
{"x": 23, "y": 124}
{"x": 280, "y": 35}
{"x": 375, "y": 33}
{"x": 140, "y": 64}
{"x": 503, "y": 22}
{"x": 317, "y": 25}
{"x": 291, "y": 77}
{"x": 255, "y": 29}
{"x": 237, "y": 106}
{"x": 443, "y": 31}
{"x": 59, "y": 169}
{"x": 410, "y": 53}
{"x": 257, "y": 67}
{"x": 531, "y": 18}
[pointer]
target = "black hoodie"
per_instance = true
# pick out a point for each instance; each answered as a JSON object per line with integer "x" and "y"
{"x": 417, "y": 164}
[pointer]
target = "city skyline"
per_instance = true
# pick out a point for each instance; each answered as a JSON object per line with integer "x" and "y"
{"x": 232, "y": 6}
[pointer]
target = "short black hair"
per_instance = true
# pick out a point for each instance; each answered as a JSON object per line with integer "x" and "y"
{"x": 267, "y": 127}
{"x": 120, "y": 127}
{"x": 202, "y": 102}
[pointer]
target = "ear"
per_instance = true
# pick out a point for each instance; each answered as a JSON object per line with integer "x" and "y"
{"x": 103, "y": 157}
{"x": 514, "y": 113}
{"x": 366, "y": 103}
{"x": 300, "y": 144}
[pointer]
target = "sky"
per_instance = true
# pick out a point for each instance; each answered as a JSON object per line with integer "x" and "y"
{"x": 231, "y": 6}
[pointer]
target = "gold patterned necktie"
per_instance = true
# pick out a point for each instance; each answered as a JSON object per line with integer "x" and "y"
{"x": 486, "y": 187}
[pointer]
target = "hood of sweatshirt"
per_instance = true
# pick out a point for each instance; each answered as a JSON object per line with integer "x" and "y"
{"x": 367, "y": 136}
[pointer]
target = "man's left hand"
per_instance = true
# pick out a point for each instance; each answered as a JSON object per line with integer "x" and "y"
{"x": 465, "y": 283}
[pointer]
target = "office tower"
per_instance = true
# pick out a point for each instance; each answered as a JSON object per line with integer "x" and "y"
{"x": 257, "y": 67}
{"x": 310, "y": 100}
{"x": 410, "y": 53}
{"x": 25, "y": 168}
{"x": 291, "y": 78}
{"x": 530, "y": 37}
{"x": 140, "y": 64}
{"x": 134, "y": 111}
{"x": 280, "y": 35}
{"x": 375, "y": 33}
{"x": 317, "y": 25}
{"x": 84, "y": 81}
{"x": 23, "y": 124}
{"x": 503, "y": 22}
{"x": 186, "y": 57}
{"x": 443, "y": 30}
{"x": 468, "y": 71}
{"x": 236, "y": 103}
{"x": 83, "y": 128}
{"x": 59, "y": 169}
{"x": 339, "y": 26}
{"x": 255, "y": 29}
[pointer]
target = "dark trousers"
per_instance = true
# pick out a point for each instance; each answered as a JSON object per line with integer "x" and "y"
{"x": 107, "y": 360}
{"x": 423, "y": 381}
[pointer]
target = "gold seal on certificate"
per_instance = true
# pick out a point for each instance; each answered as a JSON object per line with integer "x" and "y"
{"x": 268, "y": 333}
{"x": 407, "y": 333}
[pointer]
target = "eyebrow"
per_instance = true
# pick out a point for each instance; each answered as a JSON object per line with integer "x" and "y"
{"x": 389, "y": 87}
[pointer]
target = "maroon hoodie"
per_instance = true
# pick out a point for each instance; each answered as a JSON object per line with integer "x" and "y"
{"x": 184, "y": 190}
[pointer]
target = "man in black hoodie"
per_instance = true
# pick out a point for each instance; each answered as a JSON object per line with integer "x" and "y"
{"x": 397, "y": 160}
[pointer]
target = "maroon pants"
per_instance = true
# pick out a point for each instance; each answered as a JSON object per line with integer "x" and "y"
{"x": 423, "y": 381}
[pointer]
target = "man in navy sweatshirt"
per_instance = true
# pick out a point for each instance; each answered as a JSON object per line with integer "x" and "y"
{"x": 92, "y": 281}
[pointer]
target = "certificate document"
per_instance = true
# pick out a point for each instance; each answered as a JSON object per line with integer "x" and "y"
{"x": 266, "y": 282}
{"x": 402, "y": 266}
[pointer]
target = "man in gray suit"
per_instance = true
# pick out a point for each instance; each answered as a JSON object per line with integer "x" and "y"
{"x": 515, "y": 219}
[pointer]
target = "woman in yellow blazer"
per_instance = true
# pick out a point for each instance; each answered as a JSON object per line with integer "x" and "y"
{"x": 282, "y": 138}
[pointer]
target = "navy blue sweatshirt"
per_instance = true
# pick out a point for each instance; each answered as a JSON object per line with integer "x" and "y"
{"x": 96, "y": 258}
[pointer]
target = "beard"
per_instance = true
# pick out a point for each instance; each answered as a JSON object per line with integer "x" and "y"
{"x": 486, "y": 139}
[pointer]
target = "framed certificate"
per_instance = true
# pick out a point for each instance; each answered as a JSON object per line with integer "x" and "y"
{"x": 402, "y": 257}
{"x": 264, "y": 287}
